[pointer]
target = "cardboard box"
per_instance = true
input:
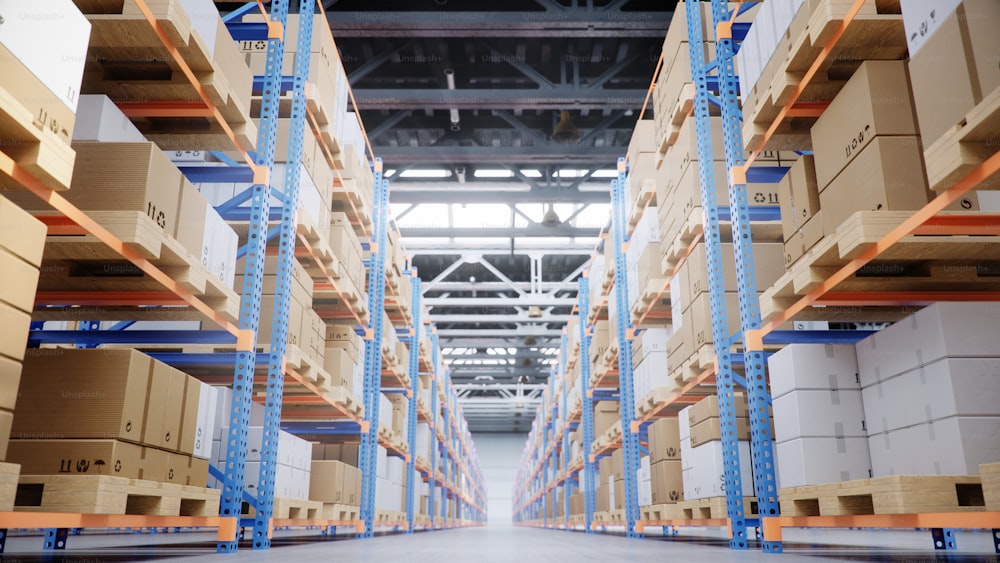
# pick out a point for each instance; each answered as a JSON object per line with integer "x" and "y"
{"x": 606, "y": 414}
{"x": 209, "y": 239}
{"x": 706, "y": 476}
{"x": 798, "y": 196}
{"x": 938, "y": 331}
{"x": 83, "y": 393}
{"x": 20, "y": 233}
{"x": 20, "y": 282}
{"x": 950, "y": 446}
{"x": 819, "y": 412}
{"x": 76, "y": 457}
{"x": 804, "y": 239}
{"x": 709, "y": 408}
{"x": 699, "y": 318}
{"x": 161, "y": 426}
{"x": 955, "y": 67}
{"x": 921, "y": 19}
{"x": 813, "y": 366}
{"x": 945, "y": 388}
{"x": 888, "y": 175}
{"x": 710, "y": 429}
{"x": 327, "y": 480}
{"x": 99, "y": 119}
{"x": 768, "y": 267}
{"x": 874, "y": 102}
{"x": 14, "y": 332}
{"x": 10, "y": 379}
{"x": 617, "y": 465}
{"x": 664, "y": 440}
{"x": 821, "y": 460}
{"x": 666, "y": 482}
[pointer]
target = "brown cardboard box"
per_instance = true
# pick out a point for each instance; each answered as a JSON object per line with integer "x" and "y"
{"x": 6, "y": 421}
{"x": 95, "y": 393}
{"x": 709, "y": 408}
{"x": 956, "y": 67}
{"x": 664, "y": 440}
{"x": 344, "y": 337}
{"x": 19, "y": 283}
{"x": 603, "y": 497}
{"x": 605, "y": 416}
{"x": 605, "y": 469}
{"x": 874, "y": 102}
{"x": 701, "y": 318}
{"x": 710, "y": 429}
{"x": 346, "y": 246}
{"x": 188, "y": 470}
{"x": 618, "y": 464}
{"x": 10, "y": 379}
{"x": 162, "y": 425}
{"x": 804, "y": 239}
{"x": 798, "y": 196}
{"x": 14, "y": 327}
{"x": 339, "y": 364}
{"x": 768, "y": 267}
{"x": 400, "y": 405}
{"x": 888, "y": 175}
{"x": 666, "y": 483}
{"x": 326, "y": 481}
{"x": 303, "y": 286}
{"x": 125, "y": 177}
{"x": 20, "y": 233}
{"x": 154, "y": 465}
{"x": 24, "y": 87}
{"x": 352, "y": 485}
{"x": 76, "y": 457}
{"x": 189, "y": 416}
{"x": 296, "y": 309}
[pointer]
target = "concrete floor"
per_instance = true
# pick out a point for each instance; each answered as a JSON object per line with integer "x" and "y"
{"x": 505, "y": 544}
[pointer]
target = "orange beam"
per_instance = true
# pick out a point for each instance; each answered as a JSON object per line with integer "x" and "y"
{"x": 893, "y": 298}
{"x": 808, "y": 109}
{"x": 167, "y": 109}
{"x": 961, "y": 520}
{"x": 978, "y": 224}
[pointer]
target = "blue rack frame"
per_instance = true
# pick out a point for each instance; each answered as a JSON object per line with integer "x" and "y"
{"x": 411, "y": 423}
{"x": 587, "y": 416}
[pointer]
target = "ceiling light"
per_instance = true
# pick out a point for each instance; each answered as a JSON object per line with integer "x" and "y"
{"x": 531, "y": 173}
{"x": 565, "y": 132}
{"x": 551, "y": 219}
{"x": 493, "y": 173}
{"x": 605, "y": 174}
{"x": 426, "y": 173}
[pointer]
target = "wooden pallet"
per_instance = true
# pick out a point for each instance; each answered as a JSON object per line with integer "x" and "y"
{"x": 897, "y": 494}
{"x": 965, "y": 146}
{"x": 675, "y": 245}
{"x": 676, "y": 114}
{"x": 82, "y": 263}
{"x": 876, "y": 33}
{"x": 714, "y": 507}
{"x": 916, "y": 263}
{"x": 296, "y": 509}
{"x": 104, "y": 494}
{"x": 128, "y": 61}
{"x": 653, "y": 302}
{"x": 653, "y": 399}
{"x": 989, "y": 473}
{"x": 691, "y": 367}
{"x": 9, "y": 473}
{"x": 661, "y": 512}
{"x": 34, "y": 147}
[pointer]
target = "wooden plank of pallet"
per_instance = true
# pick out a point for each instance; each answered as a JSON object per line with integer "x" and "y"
{"x": 965, "y": 146}
{"x": 990, "y": 475}
{"x": 342, "y": 512}
{"x": 103, "y": 494}
{"x": 897, "y": 494}
{"x": 714, "y": 507}
{"x": 32, "y": 146}
{"x": 9, "y": 473}
{"x": 296, "y": 509}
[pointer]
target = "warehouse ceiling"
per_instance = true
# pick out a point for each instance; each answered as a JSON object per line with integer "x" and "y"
{"x": 463, "y": 101}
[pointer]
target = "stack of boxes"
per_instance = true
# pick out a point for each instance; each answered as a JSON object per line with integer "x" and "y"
{"x": 660, "y": 473}
{"x": 343, "y": 357}
{"x": 703, "y": 470}
{"x": 642, "y": 156}
{"x": 649, "y": 359}
{"x": 335, "y": 477}
{"x": 22, "y": 238}
{"x": 819, "y": 417}
{"x": 642, "y": 257}
{"x": 606, "y": 415}
{"x": 111, "y": 412}
{"x": 929, "y": 384}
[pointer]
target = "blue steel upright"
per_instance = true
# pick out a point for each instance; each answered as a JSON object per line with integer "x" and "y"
{"x": 725, "y": 381}
{"x": 283, "y": 287}
{"x": 630, "y": 437}
{"x": 587, "y": 416}
{"x": 373, "y": 351}
{"x": 754, "y": 360}
{"x": 411, "y": 423}
{"x": 231, "y": 502}
{"x": 436, "y": 443}
{"x": 565, "y": 418}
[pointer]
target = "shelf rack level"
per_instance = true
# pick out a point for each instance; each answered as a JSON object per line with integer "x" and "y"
{"x": 630, "y": 435}
{"x": 236, "y": 450}
{"x": 587, "y": 416}
{"x": 411, "y": 423}
{"x": 725, "y": 382}
{"x": 373, "y": 352}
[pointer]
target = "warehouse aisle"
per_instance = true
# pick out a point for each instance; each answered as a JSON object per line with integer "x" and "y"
{"x": 505, "y": 544}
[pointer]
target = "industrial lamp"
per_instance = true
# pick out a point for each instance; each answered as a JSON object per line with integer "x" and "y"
{"x": 534, "y": 312}
{"x": 565, "y": 132}
{"x": 551, "y": 219}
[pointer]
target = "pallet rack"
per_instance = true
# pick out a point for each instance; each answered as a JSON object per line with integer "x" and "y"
{"x": 721, "y": 89}
{"x": 455, "y": 444}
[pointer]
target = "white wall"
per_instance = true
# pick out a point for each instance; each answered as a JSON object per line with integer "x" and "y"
{"x": 499, "y": 455}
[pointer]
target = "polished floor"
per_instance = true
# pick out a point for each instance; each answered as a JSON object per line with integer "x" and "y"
{"x": 506, "y": 544}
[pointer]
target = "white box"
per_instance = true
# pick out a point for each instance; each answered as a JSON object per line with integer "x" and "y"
{"x": 611, "y": 492}
{"x": 205, "y": 429}
{"x": 815, "y": 461}
{"x": 395, "y": 469}
{"x": 384, "y": 411}
{"x": 813, "y": 366}
{"x": 50, "y": 38}
{"x": 99, "y": 119}
{"x": 827, "y": 412}
{"x": 945, "y": 388}
{"x": 382, "y": 463}
{"x": 951, "y": 446}
{"x": 921, "y": 18}
{"x": 644, "y": 470}
{"x": 383, "y": 494}
{"x": 223, "y": 245}
{"x": 684, "y": 423}
{"x": 706, "y": 478}
{"x": 938, "y": 331}
{"x": 645, "y": 492}
{"x": 204, "y": 17}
